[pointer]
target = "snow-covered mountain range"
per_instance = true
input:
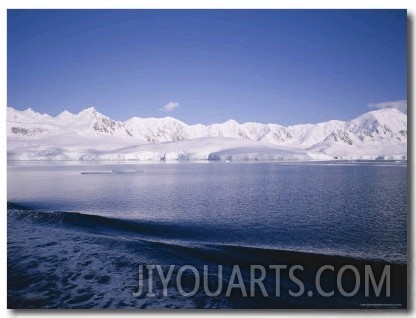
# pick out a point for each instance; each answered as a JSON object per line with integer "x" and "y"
{"x": 90, "y": 135}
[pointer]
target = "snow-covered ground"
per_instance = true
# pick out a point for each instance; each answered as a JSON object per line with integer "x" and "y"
{"x": 90, "y": 135}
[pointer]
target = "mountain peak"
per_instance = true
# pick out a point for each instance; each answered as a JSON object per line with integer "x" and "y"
{"x": 89, "y": 110}
{"x": 231, "y": 122}
{"x": 30, "y": 111}
{"x": 65, "y": 113}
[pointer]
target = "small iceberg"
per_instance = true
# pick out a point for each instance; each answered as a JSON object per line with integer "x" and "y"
{"x": 96, "y": 172}
{"x": 112, "y": 172}
{"x": 126, "y": 171}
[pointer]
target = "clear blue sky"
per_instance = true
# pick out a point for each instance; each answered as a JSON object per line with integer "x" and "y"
{"x": 280, "y": 66}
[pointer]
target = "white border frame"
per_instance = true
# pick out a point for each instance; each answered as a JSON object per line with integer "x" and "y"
{"x": 196, "y": 4}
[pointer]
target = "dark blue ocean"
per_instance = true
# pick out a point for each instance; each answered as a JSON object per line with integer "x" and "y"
{"x": 77, "y": 232}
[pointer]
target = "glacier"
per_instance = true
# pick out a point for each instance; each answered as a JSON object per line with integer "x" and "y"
{"x": 89, "y": 135}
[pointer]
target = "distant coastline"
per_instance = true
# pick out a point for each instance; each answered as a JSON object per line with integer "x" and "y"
{"x": 92, "y": 136}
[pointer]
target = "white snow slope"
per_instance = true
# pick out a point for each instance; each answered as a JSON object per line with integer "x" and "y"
{"x": 90, "y": 135}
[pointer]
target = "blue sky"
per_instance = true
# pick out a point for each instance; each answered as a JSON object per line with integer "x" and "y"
{"x": 280, "y": 66}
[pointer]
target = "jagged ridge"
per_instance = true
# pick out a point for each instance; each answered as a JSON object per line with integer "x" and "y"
{"x": 374, "y": 134}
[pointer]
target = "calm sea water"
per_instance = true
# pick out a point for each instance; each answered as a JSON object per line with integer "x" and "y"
{"x": 105, "y": 223}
